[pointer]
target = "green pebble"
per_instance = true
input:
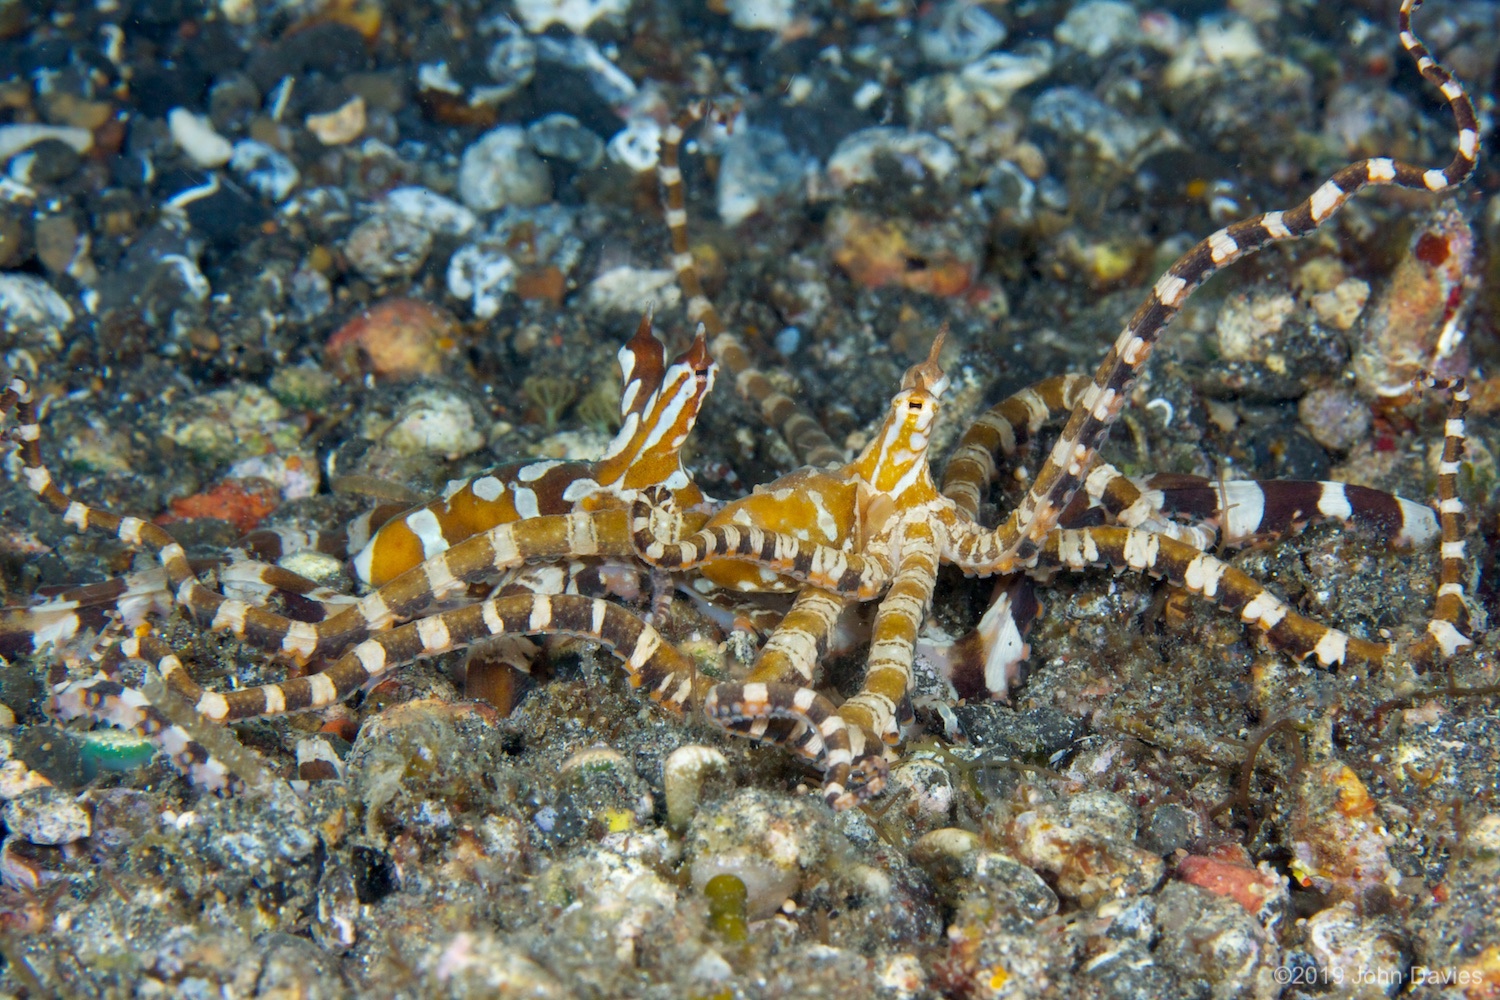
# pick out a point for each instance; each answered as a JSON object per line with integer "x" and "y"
{"x": 116, "y": 750}
{"x": 728, "y": 907}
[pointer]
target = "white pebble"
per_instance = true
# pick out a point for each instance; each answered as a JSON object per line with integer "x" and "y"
{"x": 683, "y": 775}
{"x": 1097, "y": 26}
{"x": 637, "y": 145}
{"x": 959, "y": 33}
{"x": 47, "y": 816}
{"x": 197, "y": 138}
{"x": 853, "y": 161}
{"x": 761, "y": 15}
{"x": 481, "y": 275}
{"x": 631, "y": 290}
{"x": 29, "y": 306}
{"x": 430, "y": 210}
{"x": 787, "y": 340}
{"x": 500, "y": 169}
{"x": 14, "y": 138}
{"x": 575, "y": 15}
{"x": 435, "y": 421}
{"x": 267, "y": 169}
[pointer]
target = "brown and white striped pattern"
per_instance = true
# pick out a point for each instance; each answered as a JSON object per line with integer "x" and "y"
{"x": 792, "y": 653}
{"x": 1243, "y": 511}
{"x": 802, "y": 433}
{"x": 804, "y": 722}
{"x": 133, "y": 598}
{"x": 888, "y": 483}
{"x": 1450, "y": 614}
{"x": 484, "y": 556}
{"x": 990, "y": 444}
{"x": 655, "y": 528}
{"x": 104, "y": 698}
{"x": 653, "y": 664}
{"x": 915, "y": 530}
{"x": 1015, "y": 543}
{"x": 899, "y": 620}
{"x": 1001, "y": 431}
{"x": 1213, "y": 579}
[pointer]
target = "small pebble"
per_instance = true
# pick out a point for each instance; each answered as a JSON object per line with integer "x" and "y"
{"x": 309, "y": 294}
{"x": 1194, "y": 923}
{"x": 765, "y": 841}
{"x": 1097, "y": 26}
{"x": 511, "y": 64}
{"x": 15, "y": 236}
{"x": 434, "y": 420}
{"x": 1218, "y": 42}
{"x": 1335, "y": 417}
{"x": 387, "y": 246}
{"x": 631, "y": 291}
{"x": 787, "y": 340}
{"x": 14, "y": 138}
{"x": 59, "y": 244}
{"x": 853, "y": 161}
{"x": 294, "y": 475}
{"x": 48, "y": 162}
{"x": 266, "y": 169}
{"x": 636, "y": 145}
{"x": 575, "y": 15}
{"x": 481, "y": 275}
{"x": 500, "y": 169}
{"x": 426, "y": 208}
{"x": 958, "y": 32}
{"x": 1340, "y": 307}
{"x": 758, "y": 170}
{"x": 683, "y": 776}
{"x": 760, "y": 15}
{"x": 562, "y": 137}
{"x": 929, "y": 788}
{"x": 31, "y": 313}
{"x": 219, "y": 211}
{"x": 231, "y": 423}
{"x": 1360, "y": 951}
{"x": 1227, "y": 870}
{"x": 47, "y": 816}
{"x": 342, "y": 125}
{"x": 1250, "y": 324}
{"x": 196, "y": 137}
{"x": 1087, "y": 845}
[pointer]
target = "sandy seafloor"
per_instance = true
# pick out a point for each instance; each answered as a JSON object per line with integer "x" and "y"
{"x": 1099, "y": 835}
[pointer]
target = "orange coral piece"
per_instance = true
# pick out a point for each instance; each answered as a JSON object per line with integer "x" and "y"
{"x": 395, "y": 338}
{"x": 1354, "y": 799}
{"x": 1228, "y": 872}
{"x": 877, "y": 252}
{"x": 244, "y": 503}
